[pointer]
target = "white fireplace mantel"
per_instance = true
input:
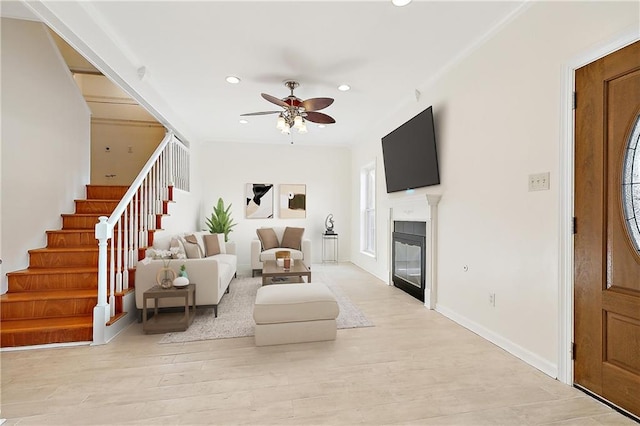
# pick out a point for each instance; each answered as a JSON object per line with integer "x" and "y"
{"x": 431, "y": 293}
{"x": 415, "y": 209}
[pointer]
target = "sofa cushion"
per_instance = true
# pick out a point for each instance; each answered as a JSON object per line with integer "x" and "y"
{"x": 292, "y": 238}
{"x": 284, "y": 303}
{"x": 212, "y": 244}
{"x": 268, "y": 238}
{"x": 271, "y": 254}
{"x": 191, "y": 247}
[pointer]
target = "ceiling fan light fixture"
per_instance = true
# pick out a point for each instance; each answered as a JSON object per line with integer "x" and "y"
{"x": 400, "y": 3}
{"x": 297, "y": 111}
{"x": 243, "y": 121}
{"x": 232, "y": 79}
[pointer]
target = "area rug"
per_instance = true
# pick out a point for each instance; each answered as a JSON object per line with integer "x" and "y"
{"x": 235, "y": 314}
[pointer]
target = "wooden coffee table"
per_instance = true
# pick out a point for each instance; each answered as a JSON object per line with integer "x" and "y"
{"x": 271, "y": 270}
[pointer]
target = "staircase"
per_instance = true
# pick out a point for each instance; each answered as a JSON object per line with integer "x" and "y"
{"x": 52, "y": 300}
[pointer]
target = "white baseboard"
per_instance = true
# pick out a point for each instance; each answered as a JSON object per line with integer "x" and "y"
{"x": 525, "y": 355}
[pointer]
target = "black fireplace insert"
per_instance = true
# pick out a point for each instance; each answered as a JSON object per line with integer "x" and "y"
{"x": 408, "y": 257}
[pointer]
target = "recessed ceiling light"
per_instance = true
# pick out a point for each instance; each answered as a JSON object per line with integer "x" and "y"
{"x": 344, "y": 87}
{"x": 243, "y": 121}
{"x": 232, "y": 79}
{"x": 400, "y": 3}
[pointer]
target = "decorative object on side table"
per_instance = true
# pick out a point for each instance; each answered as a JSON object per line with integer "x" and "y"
{"x": 183, "y": 279}
{"x": 328, "y": 224}
{"x": 181, "y": 282}
{"x": 165, "y": 277}
{"x": 183, "y": 271}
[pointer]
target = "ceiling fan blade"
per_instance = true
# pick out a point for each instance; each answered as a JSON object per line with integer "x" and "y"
{"x": 318, "y": 117}
{"x": 315, "y": 104}
{"x": 275, "y": 100}
{"x": 260, "y": 113}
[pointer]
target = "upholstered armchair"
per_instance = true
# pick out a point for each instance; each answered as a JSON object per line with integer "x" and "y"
{"x": 270, "y": 240}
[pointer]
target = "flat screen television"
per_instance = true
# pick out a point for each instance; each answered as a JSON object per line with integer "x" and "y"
{"x": 410, "y": 155}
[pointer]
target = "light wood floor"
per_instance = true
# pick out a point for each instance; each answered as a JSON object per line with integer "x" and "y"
{"x": 414, "y": 367}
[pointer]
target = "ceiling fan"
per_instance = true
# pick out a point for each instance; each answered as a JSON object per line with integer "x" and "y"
{"x": 296, "y": 111}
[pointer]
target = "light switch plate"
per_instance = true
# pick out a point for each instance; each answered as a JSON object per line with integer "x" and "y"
{"x": 539, "y": 182}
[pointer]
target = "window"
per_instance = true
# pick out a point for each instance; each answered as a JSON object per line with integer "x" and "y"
{"x": 368, "y": 209}
{"x": 631, "y": 185}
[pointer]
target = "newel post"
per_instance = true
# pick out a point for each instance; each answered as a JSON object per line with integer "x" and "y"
{"x": 102, "y": 312}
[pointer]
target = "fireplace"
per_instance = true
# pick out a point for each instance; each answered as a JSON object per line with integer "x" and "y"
{"x": 408, "y": 257}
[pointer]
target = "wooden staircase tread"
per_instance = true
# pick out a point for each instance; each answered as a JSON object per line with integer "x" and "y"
{"x": 108, "y": 200}
{"x": 83, "y": 214}
{"x": 34, "y": 270}
{"x": 64, "y": 249}
{"x": 24, "y": 296}
{"x": 70, "y": 230}
{"x": 22, "y": 325}
{"x": 60, "y": 270}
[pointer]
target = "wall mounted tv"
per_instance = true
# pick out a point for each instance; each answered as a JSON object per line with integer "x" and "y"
{"x": 410, "y": 155}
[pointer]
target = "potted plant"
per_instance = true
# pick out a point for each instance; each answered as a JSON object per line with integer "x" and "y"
{"x": 220, "y": 221}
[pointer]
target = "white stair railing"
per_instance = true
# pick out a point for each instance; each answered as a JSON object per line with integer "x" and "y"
{"x": 132, "y": 222}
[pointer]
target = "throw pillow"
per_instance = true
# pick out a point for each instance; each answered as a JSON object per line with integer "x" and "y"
{"x": 268, "y": 238}
{"x": 191, "y": 247}
{"x": 212, "y": 245}
{"x": 222, "y": 244}
{"x": 292, "y": 238}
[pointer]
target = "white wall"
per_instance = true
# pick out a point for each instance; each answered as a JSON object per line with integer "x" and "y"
{"x": 45, "y": 141}
{"x": 497, "y": 116}
{"x": 228, "y": 167}
{"x": 130, "y": 146}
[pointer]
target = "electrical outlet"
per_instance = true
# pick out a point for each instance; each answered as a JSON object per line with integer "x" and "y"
{"x": 539, "y": 182}
{"x": 492, "y": 299}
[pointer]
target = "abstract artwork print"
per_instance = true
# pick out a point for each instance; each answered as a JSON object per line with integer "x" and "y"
{"x": 293, "y": 201}
{"x": 259, "y": 198}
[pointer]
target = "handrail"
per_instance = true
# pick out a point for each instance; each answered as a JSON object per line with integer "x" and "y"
{"x": 133, "y": 219}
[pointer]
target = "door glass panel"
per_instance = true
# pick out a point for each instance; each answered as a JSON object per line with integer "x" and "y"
{"x": 631, "y": 185}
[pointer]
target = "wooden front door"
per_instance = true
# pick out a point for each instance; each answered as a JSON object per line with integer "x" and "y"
{"x": 607, "y": 259}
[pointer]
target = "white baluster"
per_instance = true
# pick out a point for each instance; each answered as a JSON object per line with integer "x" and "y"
{"x": 125, "y": 251}
{"x": 112, "y": 297}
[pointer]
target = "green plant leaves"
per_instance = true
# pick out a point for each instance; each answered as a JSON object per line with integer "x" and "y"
{"x": 220, "y": 221}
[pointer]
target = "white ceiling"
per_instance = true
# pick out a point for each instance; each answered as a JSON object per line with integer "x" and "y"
{"x": 384, "y": 52}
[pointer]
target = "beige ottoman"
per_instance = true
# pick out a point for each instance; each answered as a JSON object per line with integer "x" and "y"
{"x": 294, "y": 313}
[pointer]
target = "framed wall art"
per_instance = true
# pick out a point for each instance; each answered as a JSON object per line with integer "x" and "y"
{"x": 259, "y": 197}
{"x": 293, "y": 201}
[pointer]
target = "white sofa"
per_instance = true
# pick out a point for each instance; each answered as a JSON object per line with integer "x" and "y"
{"x": 258, "y": 255}
{"x": 212, "y": 275}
